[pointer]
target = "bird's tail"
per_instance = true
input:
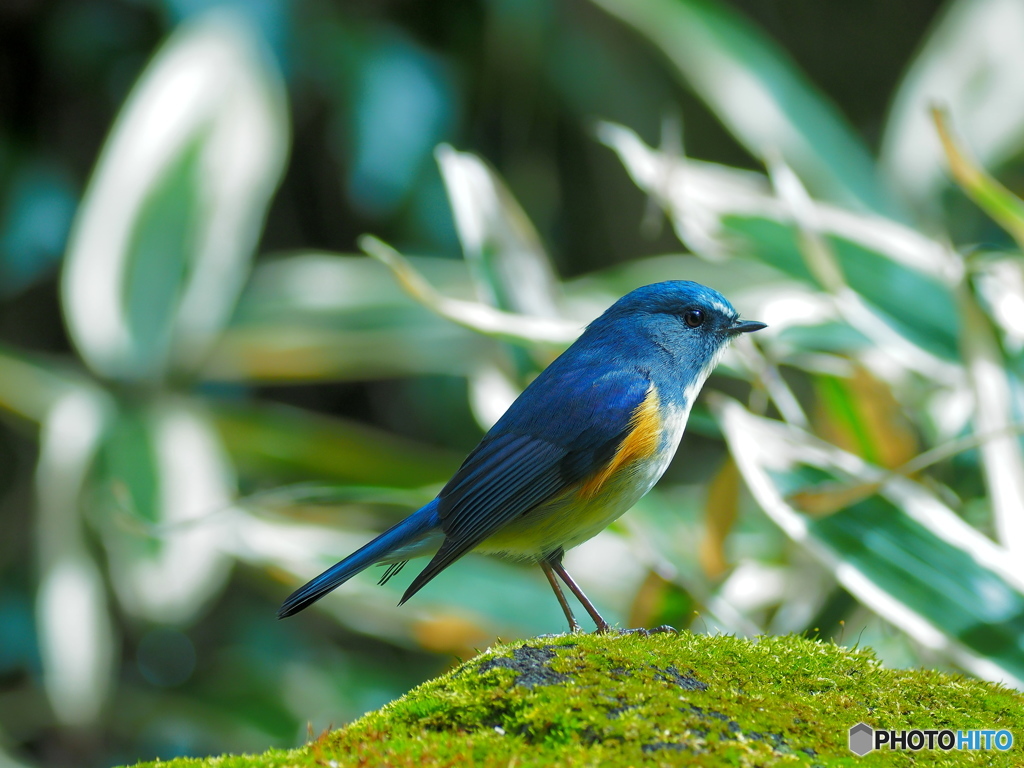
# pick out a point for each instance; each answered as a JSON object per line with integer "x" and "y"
{"x": 395, "y": 538}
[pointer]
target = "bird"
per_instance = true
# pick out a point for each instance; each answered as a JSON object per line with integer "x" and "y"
{"x": 586, "y": 439}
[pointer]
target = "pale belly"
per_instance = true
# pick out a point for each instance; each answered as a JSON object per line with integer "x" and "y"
{"x": 571, "y": 518}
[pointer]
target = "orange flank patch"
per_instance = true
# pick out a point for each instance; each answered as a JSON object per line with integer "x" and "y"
{"x": 640, "y": 443}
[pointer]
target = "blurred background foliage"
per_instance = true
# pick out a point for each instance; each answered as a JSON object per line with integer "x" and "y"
{"x": 212, "y": 387}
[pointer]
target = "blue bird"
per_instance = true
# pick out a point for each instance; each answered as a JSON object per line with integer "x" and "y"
{"x": 581, "y": 445}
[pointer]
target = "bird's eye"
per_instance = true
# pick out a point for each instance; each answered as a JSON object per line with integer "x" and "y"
{"x": 693, "y": 317}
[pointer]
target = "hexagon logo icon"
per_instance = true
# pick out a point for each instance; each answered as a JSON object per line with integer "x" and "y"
{"x": 862, "y": 739}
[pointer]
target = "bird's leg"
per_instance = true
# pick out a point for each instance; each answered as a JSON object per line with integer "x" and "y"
{"x": 574, "y": 626}
{"x": 555, "y": 562}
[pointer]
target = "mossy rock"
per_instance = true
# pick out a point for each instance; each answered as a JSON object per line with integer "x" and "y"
{"x": 668, "y": 699}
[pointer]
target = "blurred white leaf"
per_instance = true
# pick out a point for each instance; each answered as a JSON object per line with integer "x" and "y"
{"x": 491, "y": 392}
{"x": 608, "y": 569}
{"x": 808, "y": 588}
{"x": 483, "y": 318}
{"x": 77, "y": 644}
{"x": 971, "y": 66}
{"x": 753, "y": 587}
{"x": 818, "y": 256}
{"x": 161, "y": 243}
{"x": 500, "y": 244}
{"x": 172, "y": 581}
{"x": 994, "y": 414}
{"x": 332, "y": 282}
{"x": 698, "y": 195}
{"x": 1001, "y": 280}
{"x": 77, "y": 641}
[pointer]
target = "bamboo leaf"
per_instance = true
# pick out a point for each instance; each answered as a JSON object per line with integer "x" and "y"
{"x": 760, "y": 95}
{"x": 77, "y": 641}
{"x": 30, "y": 388}
{"x": 161, "y": 244}
{"x": 994, "y": 414}
{"x": 859, "y": 414}
{"x": 164, "y": 470}
{"x": 720, "y": 213}
{"x": 502, "y": 248}
{"x": 1005, "y": 208}
{"x": 483, "y": 318}
{"x": 295, "y": 445}
{"x": 720, "y": 512}
{"x": 318, "y": 316}
{"x": 970, "y": 64}
{"x": 900, "y": 551}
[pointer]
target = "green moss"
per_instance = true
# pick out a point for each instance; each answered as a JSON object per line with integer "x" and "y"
{"x": 581, "y": 700}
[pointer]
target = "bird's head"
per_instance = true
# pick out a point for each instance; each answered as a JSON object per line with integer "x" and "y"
{"x": 689, "y": 321}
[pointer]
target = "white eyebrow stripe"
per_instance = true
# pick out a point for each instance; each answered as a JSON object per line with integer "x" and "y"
{"x": 727, "y": 311}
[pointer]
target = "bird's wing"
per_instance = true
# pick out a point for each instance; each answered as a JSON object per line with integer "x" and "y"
{"x": 564, "y": 429}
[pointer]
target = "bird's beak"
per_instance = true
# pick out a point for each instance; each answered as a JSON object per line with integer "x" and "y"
{"x": 746, "y": 326}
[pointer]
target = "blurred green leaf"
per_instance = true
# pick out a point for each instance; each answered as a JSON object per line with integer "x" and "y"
{"x": 859, "y": 413}
{"x": 285, "y": 499}
{"x": 294, "y": 444}
{"x": 162, "y": 238}
{"x": 660, "y": 601}
{"x": 161, "y": 244}
{"x": 1005, "y": 208}
{"x": 760, "y": 95}
{"x": 126, "y": 457}
{"x": 970, "y": 66}
{"x": 31, "y": 387}
{"x": 720, "y": 512}
{"x": 526, "y": 606}
{"x": 901, "y": 552}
